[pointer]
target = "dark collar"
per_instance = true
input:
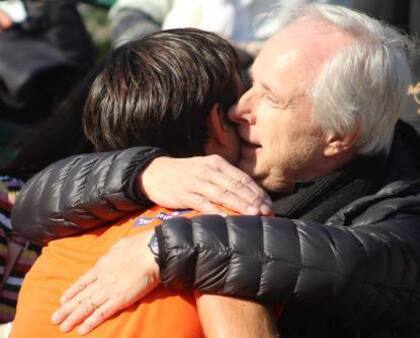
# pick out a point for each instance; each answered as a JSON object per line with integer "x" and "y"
{"x": 318, "y": 200}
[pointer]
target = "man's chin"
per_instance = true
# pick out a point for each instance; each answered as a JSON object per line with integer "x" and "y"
{"x": 250, "y": 168}
{"x": 273, "y": 183}
{"x": 275, "y": 186}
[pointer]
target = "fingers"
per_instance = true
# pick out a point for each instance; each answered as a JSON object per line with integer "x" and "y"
{"x": 232, "y": 188}
{"x": 234, "y": 194}
{"x": 201, "y": 182}
{"x": 216, "y": 193}
{"x": 82, "y": 283}
{"x": 99, "y": 316}
{"x": 202, "y": 204}
{"x": 77, "y": 310}
{"x": 116, "y": 282}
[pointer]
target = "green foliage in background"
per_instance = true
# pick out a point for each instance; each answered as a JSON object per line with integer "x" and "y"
{"x": 97, "y": 24}
{"x": 101, "y": 3}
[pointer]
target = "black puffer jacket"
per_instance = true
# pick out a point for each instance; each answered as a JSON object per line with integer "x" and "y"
{"x": 357, "y": 275}
{"x": 79, "y": 193}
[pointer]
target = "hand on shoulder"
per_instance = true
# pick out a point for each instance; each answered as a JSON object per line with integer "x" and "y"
{"x": 200, "y": 183}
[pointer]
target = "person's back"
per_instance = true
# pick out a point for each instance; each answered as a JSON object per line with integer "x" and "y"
{"x": 63, "y": 261}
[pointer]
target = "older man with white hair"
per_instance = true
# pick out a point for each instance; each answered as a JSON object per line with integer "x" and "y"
{"x": 319, "y": 129}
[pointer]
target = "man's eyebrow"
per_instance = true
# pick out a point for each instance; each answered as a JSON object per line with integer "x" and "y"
{"x": 272, "y": 92}
{"x": 267, "y": 88}
{"x": 284, "y": 101}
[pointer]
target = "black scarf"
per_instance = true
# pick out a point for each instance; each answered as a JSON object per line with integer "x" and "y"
{"x": 317, "y": 201}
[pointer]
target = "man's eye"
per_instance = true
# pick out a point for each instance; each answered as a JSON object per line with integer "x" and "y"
{"x": 272, "y": 100}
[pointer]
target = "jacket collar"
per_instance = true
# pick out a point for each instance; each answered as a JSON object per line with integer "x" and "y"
{"x": 401, "y": 183}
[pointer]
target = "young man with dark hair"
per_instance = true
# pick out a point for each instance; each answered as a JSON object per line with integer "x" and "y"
{"x": 160, "y": 91}
{"x": 171, "y": 89}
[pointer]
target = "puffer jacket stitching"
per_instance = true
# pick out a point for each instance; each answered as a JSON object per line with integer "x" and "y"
{"x": 63, "y": 174}
{"x": 109, "y": 174}
{"x": 90, "y": 179}
{"x": 301, "y": 259}
{"x": 365, "y": 252}
{"x": 265, "y": 258}
{"x": 357, "y": 240}
{"x": 230, "y": 254}
{"x": 194, "y": 248}
{"x": 71, "y": 167}
{"x": 84, "y": 169}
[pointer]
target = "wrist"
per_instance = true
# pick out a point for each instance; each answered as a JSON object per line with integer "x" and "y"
{"x": 140, "y": 160}
{"x": 146, "y": 177}
{"x": 153, "y": 248}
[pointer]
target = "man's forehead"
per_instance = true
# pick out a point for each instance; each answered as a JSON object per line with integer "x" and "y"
{"x": 279, "y": 60}
{"x": 315, "y": 38}
{"x": 310, "y": 27}
{"x": 297, "y": 53}
{"x": 280, "y": 73}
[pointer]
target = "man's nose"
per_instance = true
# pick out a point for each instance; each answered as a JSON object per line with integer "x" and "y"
{"x": 242, "y": 110}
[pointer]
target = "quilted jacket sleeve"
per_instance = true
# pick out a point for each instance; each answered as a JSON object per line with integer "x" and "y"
{"x": 367, "y": 273}
{"x": 79, "y": 193}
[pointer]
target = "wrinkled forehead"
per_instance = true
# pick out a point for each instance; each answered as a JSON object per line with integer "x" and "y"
{"x": 299, "y": 51}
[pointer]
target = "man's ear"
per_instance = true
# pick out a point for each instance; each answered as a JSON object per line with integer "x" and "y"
{"x": 340, "y": 144}
{"x": 216, "y": 124}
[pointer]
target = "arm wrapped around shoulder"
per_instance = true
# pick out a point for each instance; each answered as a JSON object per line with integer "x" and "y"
{"x": 80, "y": 193}
{"x": 238, "y": 256}
{"x": 303, "y": 265}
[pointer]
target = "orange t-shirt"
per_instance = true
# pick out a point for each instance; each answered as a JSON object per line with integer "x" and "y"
{"x": 163, "y": 313}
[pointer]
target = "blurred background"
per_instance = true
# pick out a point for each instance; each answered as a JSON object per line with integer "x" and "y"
{"x": 95, "y": 15}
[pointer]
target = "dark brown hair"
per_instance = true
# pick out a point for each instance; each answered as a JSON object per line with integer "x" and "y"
{"x": 159, "y": 90}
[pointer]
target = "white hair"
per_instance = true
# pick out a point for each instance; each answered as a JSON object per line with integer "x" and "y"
{"x": 363, "y": 87}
